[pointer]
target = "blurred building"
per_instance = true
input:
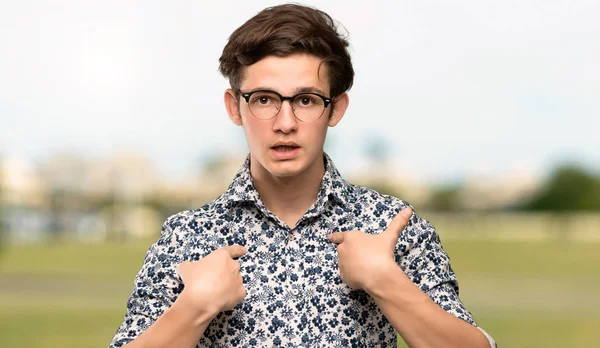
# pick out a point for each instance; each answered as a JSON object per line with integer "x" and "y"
{"x": 389, "y": 177}
{"x": 218, "y": 172}
{"x": 67, "y": 196}
{"x": 22, "y": 200}
{"x": 506, "y": 191}
{"x": 120, "y": 196}
{"x": 124, "y": 195}
{"x": 129, "y": 177}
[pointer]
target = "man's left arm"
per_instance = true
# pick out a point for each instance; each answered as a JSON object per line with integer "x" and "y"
{"x": 368, "y": 262}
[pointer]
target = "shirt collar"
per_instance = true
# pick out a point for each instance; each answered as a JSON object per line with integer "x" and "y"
{"x": 242, "y": 187}
{"x": 333, "y": 187}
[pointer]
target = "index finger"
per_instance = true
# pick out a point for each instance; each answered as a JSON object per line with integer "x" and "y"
{"x": 235, "y": 251}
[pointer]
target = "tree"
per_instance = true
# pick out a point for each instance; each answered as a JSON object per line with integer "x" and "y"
{"x": 446, "y": 198}
{"x": 569, "y": 188}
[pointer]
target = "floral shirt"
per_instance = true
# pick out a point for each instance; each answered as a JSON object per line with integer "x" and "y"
{"x": 295, "y": 296}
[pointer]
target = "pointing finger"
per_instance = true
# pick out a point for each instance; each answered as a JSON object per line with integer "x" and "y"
{"x": 336, "y": 237}
{"x": 399, "y": 223}
{"x": 235, "y": 251}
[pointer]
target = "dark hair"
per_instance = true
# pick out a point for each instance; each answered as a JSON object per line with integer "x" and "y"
{"x": 285, "y": 30}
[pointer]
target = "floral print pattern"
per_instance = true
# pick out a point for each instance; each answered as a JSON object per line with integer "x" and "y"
{"x": 295, "y": 296}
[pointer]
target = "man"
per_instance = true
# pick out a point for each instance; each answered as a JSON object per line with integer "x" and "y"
{"x": 291, "y": 254}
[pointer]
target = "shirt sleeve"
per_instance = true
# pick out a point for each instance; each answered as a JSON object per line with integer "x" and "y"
{"x": 156, "y": 287}
{"x": 424, "y": 261}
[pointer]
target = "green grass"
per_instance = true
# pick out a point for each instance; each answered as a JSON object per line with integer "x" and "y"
{"x": 533, "y": 329}
{"x": 526, "y": 294}
{"x": 122, "y": 261}
{"x": 56, "y": 327}
{"x": 521, "y": 329}
{"x": 104, "y": 261}
{"x": 505, "y": 258}
{"x": 22, "y": 327}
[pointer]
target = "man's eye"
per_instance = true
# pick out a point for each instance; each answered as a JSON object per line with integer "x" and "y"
{"x": 263, "y": 99}
{"x": 305, "y": 100}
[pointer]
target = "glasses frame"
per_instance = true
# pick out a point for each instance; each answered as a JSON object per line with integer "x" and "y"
{"x": 282, "y": 98}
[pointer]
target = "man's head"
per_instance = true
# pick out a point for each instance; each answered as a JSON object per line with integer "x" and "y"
{"x": 287, "y": 51}
{"x": 285, "y": 30}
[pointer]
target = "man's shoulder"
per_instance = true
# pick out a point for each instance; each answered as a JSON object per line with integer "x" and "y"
{"x": 369, "y": 196}
{"x": 194, "y": 221}
{"x": 386, "y": 207}
{"x": 189, "y": 234}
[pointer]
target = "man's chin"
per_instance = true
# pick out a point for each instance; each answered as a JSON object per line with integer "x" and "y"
{"x": 284, "y": 169}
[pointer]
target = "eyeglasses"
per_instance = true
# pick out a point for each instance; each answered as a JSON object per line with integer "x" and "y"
{"x": 266, "y": 104}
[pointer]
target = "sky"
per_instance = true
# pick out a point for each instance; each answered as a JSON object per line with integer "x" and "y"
{"x": 450, "y": 89}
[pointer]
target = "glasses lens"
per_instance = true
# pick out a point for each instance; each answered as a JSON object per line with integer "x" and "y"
{"x": 264, "y": 105}
{"x": 308, "y": 107}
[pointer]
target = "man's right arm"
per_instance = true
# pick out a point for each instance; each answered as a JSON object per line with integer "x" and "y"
{"x": 178, "y": 326}
{"x": 162, "y": 312}
{"x": 156, "y": 288}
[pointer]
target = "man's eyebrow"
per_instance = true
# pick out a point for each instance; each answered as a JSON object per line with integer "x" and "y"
{"x": 296, "y": 90}
{"x": 260, "y": 88}
{"x": 308, "y": 90}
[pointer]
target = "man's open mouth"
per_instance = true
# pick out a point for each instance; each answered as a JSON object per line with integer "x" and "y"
{"x": 284, "y": 148}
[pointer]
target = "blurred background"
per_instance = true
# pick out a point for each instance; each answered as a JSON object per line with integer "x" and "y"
{"x": 482, "y": 114}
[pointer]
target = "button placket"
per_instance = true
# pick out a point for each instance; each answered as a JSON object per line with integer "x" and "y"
{"x": 291, "y": 260}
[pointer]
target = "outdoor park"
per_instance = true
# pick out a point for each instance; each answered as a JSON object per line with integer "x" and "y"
{"x": 482, "y": 114}
{"x": 529, "y": 273}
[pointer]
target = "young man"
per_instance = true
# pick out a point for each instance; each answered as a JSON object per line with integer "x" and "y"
{"x": 291, "y": 254}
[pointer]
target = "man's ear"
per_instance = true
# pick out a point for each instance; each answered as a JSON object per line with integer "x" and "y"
{"x": 232, "y": 106}
{"x": 340, "y": 104}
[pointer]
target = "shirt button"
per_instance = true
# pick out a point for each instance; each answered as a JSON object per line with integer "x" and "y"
{"x": 295, "y": 292}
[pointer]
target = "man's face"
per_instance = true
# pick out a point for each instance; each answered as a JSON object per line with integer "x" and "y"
{"x": 303, "y": 141}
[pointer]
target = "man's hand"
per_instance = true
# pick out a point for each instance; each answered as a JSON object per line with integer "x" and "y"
{"x": 214, "y": 283}
{"x": 366, "y": 259}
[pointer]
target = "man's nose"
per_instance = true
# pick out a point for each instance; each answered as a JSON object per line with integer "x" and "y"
{"x": 285, "y": 121}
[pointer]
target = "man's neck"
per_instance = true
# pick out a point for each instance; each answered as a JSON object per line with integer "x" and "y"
{"x": 290, "y": 197}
